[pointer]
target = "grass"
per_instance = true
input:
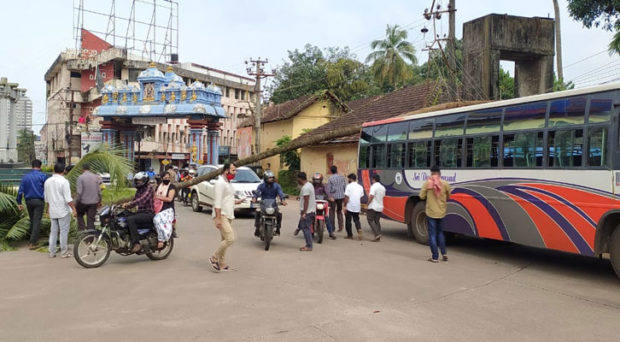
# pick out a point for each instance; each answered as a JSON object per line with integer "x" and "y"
{"x": 111, "y": 195}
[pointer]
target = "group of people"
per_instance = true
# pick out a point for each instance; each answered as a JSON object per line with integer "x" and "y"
{"x": 156, "y": 205}
{"x": 340, "y": 195}
{"x": 37, "y": 189}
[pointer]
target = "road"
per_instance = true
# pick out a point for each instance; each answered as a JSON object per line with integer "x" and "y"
{"x": 342, "y": 291}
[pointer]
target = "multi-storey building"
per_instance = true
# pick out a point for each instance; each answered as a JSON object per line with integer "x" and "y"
{"x": 23, "y": 112}
{"x": 73, "y": 94}
{"x": 9, "y": 97}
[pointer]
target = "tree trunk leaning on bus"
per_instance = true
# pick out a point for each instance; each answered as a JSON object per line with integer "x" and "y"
{"x": 300, "y": 142}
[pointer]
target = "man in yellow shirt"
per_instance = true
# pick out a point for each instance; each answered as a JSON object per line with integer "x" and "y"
{"x": 436, "y": 192}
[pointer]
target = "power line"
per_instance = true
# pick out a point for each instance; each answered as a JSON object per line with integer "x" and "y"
{"x": 585, "y": 59}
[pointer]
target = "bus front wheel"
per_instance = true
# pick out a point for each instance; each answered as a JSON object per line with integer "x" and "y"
{"x": 614, "y": 250}
{"x": 417, "y": 223}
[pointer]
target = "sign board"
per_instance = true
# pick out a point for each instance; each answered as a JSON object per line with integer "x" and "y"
{"x": 177, "y": 156}
{"x": 224, "y": 150}
{"x": 90, "y": 141}
{"x": 150, "y": 121}
{"x": 244, "y": 149}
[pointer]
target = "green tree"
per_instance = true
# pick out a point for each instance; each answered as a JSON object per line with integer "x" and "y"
{"x": 506, "y": 85}
{"x": 290, "y": 158}
{"x": 559, "y": 85}
{"x": 25, "y": 146}
{"x": 389, "y": 59}
{"x": 436, "y": 68}
{"x": 303, "y": 74}
{"x": 313, "y": 70}
{"x": 598, "y": 13}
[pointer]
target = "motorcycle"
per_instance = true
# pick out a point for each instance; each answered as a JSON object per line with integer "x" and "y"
{"x": 92, "y": 247}
{"x": 268, "y": 221}
{"x": 322, "y": 212}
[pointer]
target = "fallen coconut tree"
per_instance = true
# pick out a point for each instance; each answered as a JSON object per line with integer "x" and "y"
{"x": 300, "y": 142}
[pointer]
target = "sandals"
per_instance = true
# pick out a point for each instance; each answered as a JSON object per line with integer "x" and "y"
{"x": 305, "y": 249}
{"x": 160, "y": 244}
{"x": 136, "y": 248}
{"x": 215, "y": 264}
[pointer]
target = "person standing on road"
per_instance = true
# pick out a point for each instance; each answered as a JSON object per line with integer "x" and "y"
{"x": 58, "y": 197}
{"x": 307, "y": 207}
{"x": 32, "y": 188}
{"x": 436, "y": 191}
{"x": 375, "y": 206}
{"x": 353, "y": 202}
{"x": 336, "y": 185}
{"x": 88, "y": 197}
{"x": 224, "y": 214}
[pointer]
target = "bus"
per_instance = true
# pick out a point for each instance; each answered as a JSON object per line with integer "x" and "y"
{"x": 542, "y": 171}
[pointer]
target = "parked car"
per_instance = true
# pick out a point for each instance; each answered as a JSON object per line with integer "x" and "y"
{"x": 246, "y": 181}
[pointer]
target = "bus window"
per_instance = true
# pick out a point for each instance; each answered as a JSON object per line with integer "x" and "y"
{"x": 364, "y": 154}
{"x": 378, "y": 133}
{"x": 421, "y": 129}
{"x": 523, "y": 149}
{"x": 597, "y": 146}
{"x": 420, "y": 154}
{"x": 449, "y": 125}
{"x": 566, "y": 112}
{"x": 600, "y": 108}
{"x": 484, "y": 121}
{"x": 565, "y": 148}
{"x": 398, "y": 131}
{"x": 448, "y": 153}
{"x": 366, "y": 135}
{"x": 482, "y": 152}
{"x": 377, "y": 158}
{"x": 526, "y": 116}
{"x": 396, "y": 155}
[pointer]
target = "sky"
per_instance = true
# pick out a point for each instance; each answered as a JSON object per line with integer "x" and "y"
{"x": 224, "y": 33}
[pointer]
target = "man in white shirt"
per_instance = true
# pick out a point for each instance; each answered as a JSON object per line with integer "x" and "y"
{"x": 353, "y": 194}
{"x": 58, "y": 196}
{"x": 375, "y": 206}
{"x": 223, "y": 215}
{"x": 307, "y": 208}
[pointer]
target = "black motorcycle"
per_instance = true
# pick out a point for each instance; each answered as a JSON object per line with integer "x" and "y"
{"x": 92, "y": 247}
{"x": 268, "y": 221}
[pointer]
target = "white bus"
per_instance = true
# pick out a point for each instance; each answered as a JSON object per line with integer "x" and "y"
{"x": 542, "y": 170}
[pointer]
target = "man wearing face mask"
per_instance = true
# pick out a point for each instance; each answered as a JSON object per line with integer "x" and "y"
{"x": 224, "y": 214}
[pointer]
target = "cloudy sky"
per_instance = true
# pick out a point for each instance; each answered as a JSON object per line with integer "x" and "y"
{"x": 224, "y": 33}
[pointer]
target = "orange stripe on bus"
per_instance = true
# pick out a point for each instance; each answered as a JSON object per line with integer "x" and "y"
{"x": 552, "y": 234}
{"x": 584, "y": 228}
{"x": 393, "y": 207}
{"x": 485, "y": 224}
{"x": 366, "y": 180}
{"x": 592, "y": 204}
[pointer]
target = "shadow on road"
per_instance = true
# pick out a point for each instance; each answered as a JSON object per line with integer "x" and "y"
{"x": 557, "y": 262}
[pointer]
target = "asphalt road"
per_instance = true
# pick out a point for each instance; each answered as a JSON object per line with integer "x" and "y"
{"x": 342, "y": 291}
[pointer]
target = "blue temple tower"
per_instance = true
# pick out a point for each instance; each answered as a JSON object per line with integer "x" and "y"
{"x": 162, "y": 95}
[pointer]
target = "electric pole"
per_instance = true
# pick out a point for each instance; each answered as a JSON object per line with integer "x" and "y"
{"x": 435, "y": 13}
{"x": 255, "y": 67}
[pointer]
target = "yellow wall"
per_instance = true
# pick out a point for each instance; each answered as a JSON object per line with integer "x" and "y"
{"x": 314, "y": 159}
{"x": 317, "y": 114}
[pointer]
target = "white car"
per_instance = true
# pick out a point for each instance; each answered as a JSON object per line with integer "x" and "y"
{"x": 244, "y": 183}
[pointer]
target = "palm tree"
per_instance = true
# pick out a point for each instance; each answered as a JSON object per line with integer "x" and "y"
{"x": 390, "y": 58}
{"x": 614, "y": 45}
{"x": 14, "y": 224}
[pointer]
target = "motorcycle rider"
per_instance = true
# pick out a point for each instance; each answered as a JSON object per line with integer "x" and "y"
{"x": 144, "y": 201}
{"x": 269, "y": 189}
{"x": 320, "y": 193}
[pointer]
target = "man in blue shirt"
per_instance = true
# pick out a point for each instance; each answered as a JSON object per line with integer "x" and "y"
{"x": 269, "y": 189}
{"x": 31, "y": 187}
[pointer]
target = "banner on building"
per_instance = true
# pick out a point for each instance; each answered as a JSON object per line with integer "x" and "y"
{"x": 90, "y": 141}
{"x": 244, "y": 149}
